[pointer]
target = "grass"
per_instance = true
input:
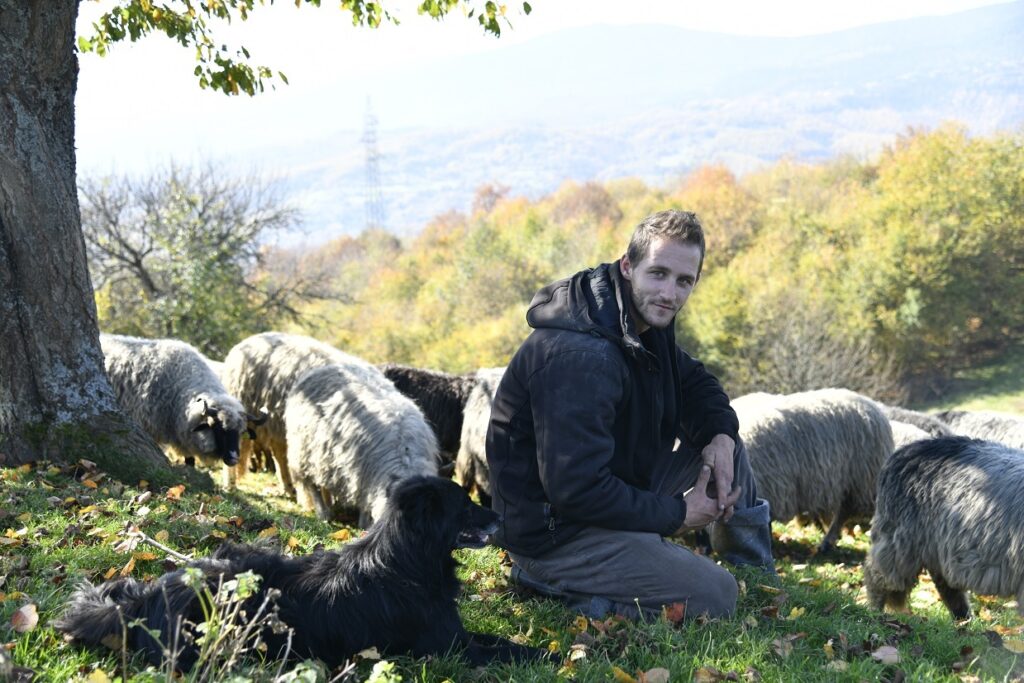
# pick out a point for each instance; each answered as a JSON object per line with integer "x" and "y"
{"x": 995, "y": 385}
{"x": 62, "y": 524}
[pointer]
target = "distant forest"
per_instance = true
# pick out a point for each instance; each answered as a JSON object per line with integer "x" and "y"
{"x": 883, "y": 276}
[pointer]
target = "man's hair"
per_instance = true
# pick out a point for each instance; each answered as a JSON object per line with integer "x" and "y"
{"x": 681, "y": 226}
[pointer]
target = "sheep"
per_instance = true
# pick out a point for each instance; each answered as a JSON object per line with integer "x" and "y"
{"x": 950, "y": 505}
{"x": 471, "y": 463}
{"x": 815, "y": 452}
{"x": 351, "y": 435}
{"x": 442, "y": 398}
{"x": 986, "y": 424}
{"x": 929, "y": 423}
{"x": 170, "y": 389}
{"x": 260, "y": 370}
{"x": 904, "y": 433}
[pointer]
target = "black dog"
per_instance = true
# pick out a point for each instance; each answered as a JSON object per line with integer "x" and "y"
{"x": 394, "y": 589}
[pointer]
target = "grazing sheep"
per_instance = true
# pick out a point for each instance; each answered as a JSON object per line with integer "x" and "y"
{"x": 904, "y": 433}
{"x": 929, "y": 423}
{"x": 170, "y": 389}
{"x": 471, "y": 463}
{"x": 441, "y": 397}
{"x": 815, "y": 452}
{"x": 986, "y": 424}
{"x": 952, "y": 506}
{"x": 352, "y": 435}
{"x": 260, "y": 370}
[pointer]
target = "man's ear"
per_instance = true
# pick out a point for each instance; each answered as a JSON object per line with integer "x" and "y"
{"x": 626, "y": 267}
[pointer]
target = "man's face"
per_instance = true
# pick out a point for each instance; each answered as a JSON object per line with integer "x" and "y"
{"x": 662, "y": 281}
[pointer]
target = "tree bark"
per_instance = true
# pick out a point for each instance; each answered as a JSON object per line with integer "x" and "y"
{"x": 55, "y": 400}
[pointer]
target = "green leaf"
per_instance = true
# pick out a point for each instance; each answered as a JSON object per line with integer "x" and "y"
{"x": 526, "y": 8}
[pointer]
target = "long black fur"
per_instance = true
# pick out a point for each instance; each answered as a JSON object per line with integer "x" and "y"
{"x": 395, "y": 589}
{"x": 442, "y": 398}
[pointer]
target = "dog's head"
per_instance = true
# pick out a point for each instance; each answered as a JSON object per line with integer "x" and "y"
{"x": 441, "y": 508}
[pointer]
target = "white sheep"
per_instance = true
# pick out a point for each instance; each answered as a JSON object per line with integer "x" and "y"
{"x": 904, "y": 433}
{"x": 816, "y": 453}
{"x": 170, "y": 389}
{"x": 929, "y": 423}
{"x": 351, "y": 435}
{"x": 950, "y": 505}
{"x": 1004, "y": 428}
{"x": 260, "y": 370}
{"x": 471, "y": 468}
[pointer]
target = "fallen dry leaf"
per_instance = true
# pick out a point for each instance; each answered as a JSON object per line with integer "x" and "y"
{"x": 707, "y": 674}
{"x": 782, "y": 647}
{"x": 174, "y": 493}
{"x": 886, "y": 654}
{"x": 577, "y": 652}
{"x": 656, "y": 675}
{"x": 621, "y": 676}
{"x": 830, "y": 651}
{"x": 128, "y": 568}
{"x": 268, "y": 532}
{"x": 341, "y": 535}
{"x": 1015, "y": 646}
{"x": 25, "y": 618}
{"x": 98, "y": 676}
{"x": 369, "y": 653}
{"x": 837, "y": 665}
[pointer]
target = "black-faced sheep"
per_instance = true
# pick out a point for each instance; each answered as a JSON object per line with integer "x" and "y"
{"x": 952, "y": 506}
{"x": 260, "y": 370}
{"x": 1003, "y": 428}
{"x": 816, "y": 453}
{"x": 923, "y": 421}
{"x": 351, "y": 435}
{"x": 172, "y": 392}
{"x": 442, "y": 398}
{"x": 471, "y": 468}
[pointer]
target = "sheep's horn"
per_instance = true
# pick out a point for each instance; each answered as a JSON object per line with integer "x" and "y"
{"x": 208, "y": 411}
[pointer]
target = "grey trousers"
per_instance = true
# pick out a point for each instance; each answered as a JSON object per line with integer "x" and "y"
{"x": 601, "y": 570}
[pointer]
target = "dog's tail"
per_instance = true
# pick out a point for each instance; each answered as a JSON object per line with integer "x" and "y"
{"x": 99, "y": 615}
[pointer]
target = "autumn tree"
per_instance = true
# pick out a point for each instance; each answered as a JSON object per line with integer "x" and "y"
{"x": 185, "y": 253}
{"x": 55, "y": 400}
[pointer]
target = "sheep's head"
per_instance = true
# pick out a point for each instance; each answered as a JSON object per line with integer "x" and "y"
{"x": 216, "y": 428}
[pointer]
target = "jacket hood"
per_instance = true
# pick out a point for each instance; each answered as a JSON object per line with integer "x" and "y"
{"x": 593, "y": 301}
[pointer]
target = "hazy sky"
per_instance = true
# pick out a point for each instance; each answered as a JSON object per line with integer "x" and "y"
{"x": 141, "y": 105}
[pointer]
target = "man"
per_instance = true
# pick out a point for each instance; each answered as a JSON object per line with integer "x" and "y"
{"x": 582, "y": 441}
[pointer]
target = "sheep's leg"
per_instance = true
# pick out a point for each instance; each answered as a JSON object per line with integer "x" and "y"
{"x": 279, "y": 449}
{"x": 954, "y": 599}
{"x": 880, "y": 593}
{"x": 230, "y": 477}
{"x": 834, "y": 531}
{"x": 311, "y": 496}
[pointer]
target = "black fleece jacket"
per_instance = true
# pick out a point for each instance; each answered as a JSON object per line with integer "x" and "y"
{"x": 584, "y": 412}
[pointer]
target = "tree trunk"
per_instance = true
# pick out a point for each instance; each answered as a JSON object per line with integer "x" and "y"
{"x": 55, "y": 400}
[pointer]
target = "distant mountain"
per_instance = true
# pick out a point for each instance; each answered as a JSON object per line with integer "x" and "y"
{"x": 655, "y": 102}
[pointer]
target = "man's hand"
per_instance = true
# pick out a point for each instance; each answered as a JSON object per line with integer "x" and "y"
{"x": 718, "y": 455}
{"x": 702, "y": 509}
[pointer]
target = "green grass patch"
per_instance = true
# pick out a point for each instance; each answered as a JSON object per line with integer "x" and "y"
{"x": 995, "y": 385}
{"x": 63, "y": 524}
